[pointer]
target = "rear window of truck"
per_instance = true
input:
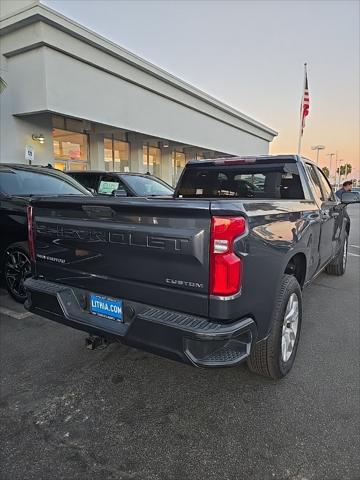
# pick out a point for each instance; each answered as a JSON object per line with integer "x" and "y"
{"x": 263, "y": 180}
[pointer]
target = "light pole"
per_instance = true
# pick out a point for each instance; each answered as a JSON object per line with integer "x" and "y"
{"x": 338, "y": 162}
{"x": 331, "y": 155}
{"x": 317, "y": 148}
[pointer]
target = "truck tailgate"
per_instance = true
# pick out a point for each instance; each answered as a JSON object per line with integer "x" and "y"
{"x": 153, "y": 251}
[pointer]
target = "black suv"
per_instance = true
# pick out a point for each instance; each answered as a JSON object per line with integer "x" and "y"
{"x": 123, "y": 184}
{"x": 18, "y": 183}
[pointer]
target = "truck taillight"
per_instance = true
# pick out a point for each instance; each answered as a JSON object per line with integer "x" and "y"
{"x": 31, "y": 240}
{"x": 225, "y": 266}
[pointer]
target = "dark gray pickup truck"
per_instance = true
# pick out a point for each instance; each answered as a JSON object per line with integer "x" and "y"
{"x": 211, "y": 277}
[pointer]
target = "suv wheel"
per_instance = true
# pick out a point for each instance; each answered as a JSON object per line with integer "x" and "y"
{"x": 16, "y": 268}
{"x": 274, "y": 356}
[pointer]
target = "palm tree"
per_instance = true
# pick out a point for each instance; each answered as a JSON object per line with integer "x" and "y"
{"x": 344, "y": 169}
{"x": 348, "y": 168}
{"x": 341, "y": 170}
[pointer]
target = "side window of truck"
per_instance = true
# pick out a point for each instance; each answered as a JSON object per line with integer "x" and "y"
{"x": 88, "y": 180}
{"x": 109, "y": 183}
{"x": 326, "y": 187}
{"x": 314, "y": 180}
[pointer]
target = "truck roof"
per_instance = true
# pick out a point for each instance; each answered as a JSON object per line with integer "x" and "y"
{"x": 247, "y": 159}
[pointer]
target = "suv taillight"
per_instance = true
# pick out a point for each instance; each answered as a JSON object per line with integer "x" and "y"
{"x": 31, "y": 239}
{"x": 225, "y": 265}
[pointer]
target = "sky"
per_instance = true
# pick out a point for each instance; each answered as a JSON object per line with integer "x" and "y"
{"x": 250, "y": 54}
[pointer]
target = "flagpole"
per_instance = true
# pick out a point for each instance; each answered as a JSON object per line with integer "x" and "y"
{"x": 301, "y": 111}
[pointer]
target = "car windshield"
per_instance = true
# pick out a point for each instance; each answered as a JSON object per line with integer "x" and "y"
{"x": 147, "y": 186}
{"x": 24, "y": 183}
{"x": 256, "y": 180}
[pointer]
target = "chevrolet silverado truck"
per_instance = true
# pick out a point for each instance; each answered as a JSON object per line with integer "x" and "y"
{"x": 211, "y": 277}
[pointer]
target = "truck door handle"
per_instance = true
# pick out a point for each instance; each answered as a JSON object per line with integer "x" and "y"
{"x": 335, "y": 214}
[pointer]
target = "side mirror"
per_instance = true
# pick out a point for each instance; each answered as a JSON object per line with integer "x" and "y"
{"x": 120, "y": 193}
{"x": 91, "y": 190}
{"x": 350, "y": 197}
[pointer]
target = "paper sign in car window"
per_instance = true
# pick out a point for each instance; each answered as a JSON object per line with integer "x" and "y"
{"x": 108, "y": 187}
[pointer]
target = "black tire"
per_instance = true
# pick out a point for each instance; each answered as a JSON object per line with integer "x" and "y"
{"x": 16, "y": 268}
{"x": 338, "y": 265}
{"x": 266, "y": 357}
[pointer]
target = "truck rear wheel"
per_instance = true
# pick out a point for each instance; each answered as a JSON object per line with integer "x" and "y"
{"x": 274, "y": 356}
{"x": 338, "y": 265}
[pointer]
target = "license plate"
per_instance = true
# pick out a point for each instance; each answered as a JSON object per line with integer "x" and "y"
{"x": 106, "y": 307}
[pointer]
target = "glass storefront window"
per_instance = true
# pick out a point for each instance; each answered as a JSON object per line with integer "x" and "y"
{"x": 60, "y": 166}
{"x": 70, "y": 150}
{"x": 108, "y": 155}
{"x": 71, "y": 166}
{"x": 178, "y": 161}
{"x": 77, "y": 166}
{"x": 152, "y": 160}
{"x": 116, "y": 155}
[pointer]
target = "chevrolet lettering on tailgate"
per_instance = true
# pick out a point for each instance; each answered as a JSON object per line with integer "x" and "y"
{"x": 130, "y": 239}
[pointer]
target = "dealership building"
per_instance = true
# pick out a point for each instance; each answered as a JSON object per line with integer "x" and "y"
{"x": 78, "y": 101}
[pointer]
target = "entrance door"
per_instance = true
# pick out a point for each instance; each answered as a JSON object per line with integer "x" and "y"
{"x": 152, "y": 160}
{"x": 116, "y": 155}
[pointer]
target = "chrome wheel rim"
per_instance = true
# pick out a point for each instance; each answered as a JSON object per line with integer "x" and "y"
{"x": 290, "y": 327}
{"x": 17, "y": 269}
{"x": 345, "y": 254}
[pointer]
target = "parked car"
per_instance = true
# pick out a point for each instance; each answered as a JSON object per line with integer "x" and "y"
{"x": 18, "y": 183}
{"x": 212, "y": 277}
{"x": 123, "y": 184}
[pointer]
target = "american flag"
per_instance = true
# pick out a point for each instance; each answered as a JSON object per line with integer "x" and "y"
{"x": 305, "y": 103}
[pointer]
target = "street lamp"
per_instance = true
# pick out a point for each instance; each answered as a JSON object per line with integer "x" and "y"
{"x": 331, "y": 155}
{"x": 317, "y": 148}
{"x": 338, "y": 166}
{"x": 39, "y": 138}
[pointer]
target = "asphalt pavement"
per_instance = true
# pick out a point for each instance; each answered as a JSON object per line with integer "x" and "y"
{"x": 119, "y": 413}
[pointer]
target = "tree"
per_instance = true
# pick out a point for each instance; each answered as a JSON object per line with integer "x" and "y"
{"x": 326, "y": 172}
{"x": 348, "y": 168}
{"x": 344, "y": 169}
{"x": 341, "y": 170}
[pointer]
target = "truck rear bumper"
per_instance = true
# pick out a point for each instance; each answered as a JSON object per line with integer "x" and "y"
{"x": 181, "y": 337}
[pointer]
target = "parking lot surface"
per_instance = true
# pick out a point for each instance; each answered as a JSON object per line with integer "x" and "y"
{"x": 119, "y": 413}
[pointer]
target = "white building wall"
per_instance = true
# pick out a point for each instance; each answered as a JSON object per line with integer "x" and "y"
{"x": 73, "y": 88}
{"x": 16, "y": 133}
{"x": 53, "y": 65}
